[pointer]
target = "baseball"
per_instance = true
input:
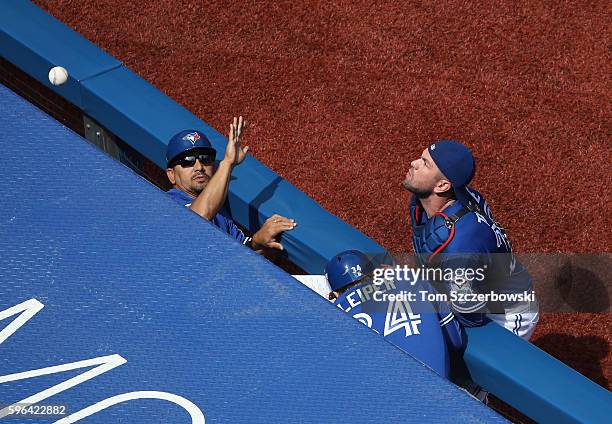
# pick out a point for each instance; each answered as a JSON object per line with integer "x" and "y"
{"x": 58, "y": 75}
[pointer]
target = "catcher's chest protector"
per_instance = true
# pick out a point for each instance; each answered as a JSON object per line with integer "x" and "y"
{"x": 432, "y": 236}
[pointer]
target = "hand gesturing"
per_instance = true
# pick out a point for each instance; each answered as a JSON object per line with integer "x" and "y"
{"x": 235, "y": 152}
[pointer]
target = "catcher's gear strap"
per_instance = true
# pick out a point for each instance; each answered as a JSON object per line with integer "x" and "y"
{"x": 450, "y": 222}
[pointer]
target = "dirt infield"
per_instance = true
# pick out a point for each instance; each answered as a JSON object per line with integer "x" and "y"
{"x": 340, "y": 97}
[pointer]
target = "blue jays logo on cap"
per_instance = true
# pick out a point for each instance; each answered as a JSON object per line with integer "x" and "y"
{"x": 186, "y": 141}
{"x": 192, "y": 137}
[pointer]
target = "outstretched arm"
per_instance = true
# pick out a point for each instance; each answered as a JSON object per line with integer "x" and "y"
{"x": 208, "y": 203}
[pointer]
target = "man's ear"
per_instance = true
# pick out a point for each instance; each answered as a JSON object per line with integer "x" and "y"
{"x": 170, "y": 174}
{"x": 442, "y": 186}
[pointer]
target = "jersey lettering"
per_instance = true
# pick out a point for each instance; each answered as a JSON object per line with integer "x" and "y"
{"x": 473, "y": 194}
{"x": 399, "y": 315}
{"x": 500, "y": 236}
{"x": 364, "y": 318}
{"x": 481, "y": 219}
{"x": 353, "y": 302}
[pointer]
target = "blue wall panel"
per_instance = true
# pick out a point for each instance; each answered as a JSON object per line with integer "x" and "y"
{"x": 532, "y": 381}
{"x": 35, "y": 42}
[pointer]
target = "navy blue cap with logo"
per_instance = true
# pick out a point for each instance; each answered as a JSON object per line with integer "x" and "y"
{"x": 187, "y": 141}
{"x": 457, "y": 164}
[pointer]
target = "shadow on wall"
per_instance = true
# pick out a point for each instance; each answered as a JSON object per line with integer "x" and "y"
{"x": 584, "y": 354}
{"x": 265, "y": 195}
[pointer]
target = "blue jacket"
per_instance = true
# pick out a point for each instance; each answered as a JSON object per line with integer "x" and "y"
{"x": 224, "y": 224}
{"x": 424, "y": 330}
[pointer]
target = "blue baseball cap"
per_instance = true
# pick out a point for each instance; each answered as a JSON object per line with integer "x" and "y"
{"x": 457, "y": 164}
{"x": 186, "y": 141}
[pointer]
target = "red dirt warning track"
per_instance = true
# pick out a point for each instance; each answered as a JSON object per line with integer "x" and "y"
{"x": 340, "y": 97}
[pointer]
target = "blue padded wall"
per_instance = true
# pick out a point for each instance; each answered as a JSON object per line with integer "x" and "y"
{"x": 35, "y": 42}
{"x": 123, "y": 270}
{"x": 532, "y": 381}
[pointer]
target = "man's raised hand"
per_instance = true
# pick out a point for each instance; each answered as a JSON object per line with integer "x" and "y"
{"x": 235, "y": 152}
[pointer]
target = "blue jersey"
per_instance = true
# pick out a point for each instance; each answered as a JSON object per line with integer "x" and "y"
{"x": 223, "y": 223}
{"x": 475, "y": 241}
{"x": 419, "y": 328}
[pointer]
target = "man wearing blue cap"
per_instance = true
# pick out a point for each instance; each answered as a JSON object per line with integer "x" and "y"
{"x": 454, "y": 231}
{"x": 190, "y": 158}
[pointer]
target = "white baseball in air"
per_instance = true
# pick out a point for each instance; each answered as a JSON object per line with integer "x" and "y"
{"x": 58, "y": 75}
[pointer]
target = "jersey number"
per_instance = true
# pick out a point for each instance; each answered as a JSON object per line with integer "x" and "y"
{"x": 399, "y": 315}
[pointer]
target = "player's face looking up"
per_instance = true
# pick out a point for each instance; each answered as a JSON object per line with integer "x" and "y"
{"x": 424, "y": 177}
{"x": 191, "y": 179}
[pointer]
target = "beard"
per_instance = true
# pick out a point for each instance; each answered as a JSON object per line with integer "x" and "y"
{"x": 418, "y": 192}
{"x": 198, "y": 187}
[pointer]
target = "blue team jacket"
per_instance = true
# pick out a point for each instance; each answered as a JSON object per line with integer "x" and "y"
{"x": 424, "y": 330}
{"x": 224, "y": 224}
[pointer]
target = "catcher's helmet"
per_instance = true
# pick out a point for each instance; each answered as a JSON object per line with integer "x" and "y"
{"x": 346, "y": 268}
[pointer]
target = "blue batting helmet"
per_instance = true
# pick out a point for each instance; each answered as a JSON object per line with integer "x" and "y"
{"x": 346, "y": 268}
{"x": 185, "y": 141}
